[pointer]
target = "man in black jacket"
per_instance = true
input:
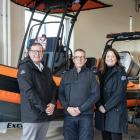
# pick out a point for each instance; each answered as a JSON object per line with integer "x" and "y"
{"x": 38, "y": 94}
{"x": 79, "y": 90}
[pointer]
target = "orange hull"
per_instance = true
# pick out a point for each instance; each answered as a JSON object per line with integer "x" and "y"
{"x": 134, "y": 93}
{"x": 133, "y": 103}
{"x": 13, "y": 97}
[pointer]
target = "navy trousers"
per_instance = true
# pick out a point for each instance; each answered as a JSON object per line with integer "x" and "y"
{"x": 78, "y": 128}
{"x": 111, "y": 136}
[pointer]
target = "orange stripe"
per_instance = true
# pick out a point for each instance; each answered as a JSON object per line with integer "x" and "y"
{"x": 8, "y": 71}
{"x": 57, "y": 80}
{"x": 12, "y": 72}
{"x": 12, "y": 97}
{"x": 132, "y": 86}
{"x": 15, "y": 98}
{"x": 133, "y": 102}
{"x": 8, "y": 96}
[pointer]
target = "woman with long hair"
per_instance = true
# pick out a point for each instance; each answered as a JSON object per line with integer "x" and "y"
{"x": 111, "y": 114}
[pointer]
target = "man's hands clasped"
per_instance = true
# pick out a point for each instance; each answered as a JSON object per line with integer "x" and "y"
{"x": 73, "y": 111}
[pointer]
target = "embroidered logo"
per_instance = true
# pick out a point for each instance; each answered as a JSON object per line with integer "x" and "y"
{"x": 123, "y": 78}
{"x": 22, "y": 72}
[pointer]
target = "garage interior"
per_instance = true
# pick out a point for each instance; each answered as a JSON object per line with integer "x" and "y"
{"x": 89, "y": 33}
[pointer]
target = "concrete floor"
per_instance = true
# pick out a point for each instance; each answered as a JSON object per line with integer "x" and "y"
{"x": 56, "y": 133}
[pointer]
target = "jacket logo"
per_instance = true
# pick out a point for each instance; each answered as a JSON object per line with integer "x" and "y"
{"x": 22, "y": 72}
{"x": 123, "y": 78}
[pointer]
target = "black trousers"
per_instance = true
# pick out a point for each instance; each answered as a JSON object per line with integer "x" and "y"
{"x": 111, "y": 136}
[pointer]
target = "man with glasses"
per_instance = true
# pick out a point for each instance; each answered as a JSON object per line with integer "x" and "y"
{"x": 78, "y": 92}
{"x": 38, "y": 94}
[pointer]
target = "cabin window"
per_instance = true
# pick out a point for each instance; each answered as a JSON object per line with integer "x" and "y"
{"x": 50, "y": 29}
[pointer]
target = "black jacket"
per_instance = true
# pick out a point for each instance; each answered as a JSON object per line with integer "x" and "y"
{"x": 79, "y": 90}
{"x": 113, "y": 98}
{"x": 37, "y": 90}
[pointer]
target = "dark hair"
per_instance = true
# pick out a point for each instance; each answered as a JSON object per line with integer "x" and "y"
{"x": 80, "y": 50}
{"x": 35, "y": 44}
{"x": 102, "y": 64}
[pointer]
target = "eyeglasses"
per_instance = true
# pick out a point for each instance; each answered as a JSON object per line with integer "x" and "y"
{"x": 36, "y": 52}
{"x": 79, "y": 57}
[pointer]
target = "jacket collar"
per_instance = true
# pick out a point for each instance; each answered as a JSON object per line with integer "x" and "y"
{"x": 82, "y": 69}
{"x": 32, "y": 65}
{"x": 112, "y": 72}
{"x": 40, "y": 66}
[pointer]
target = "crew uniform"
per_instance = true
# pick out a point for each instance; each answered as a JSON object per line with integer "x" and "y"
{"x": 37, "y": 90}
{"x": 79, "y": 90}
{"x": 113, "y": 98}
